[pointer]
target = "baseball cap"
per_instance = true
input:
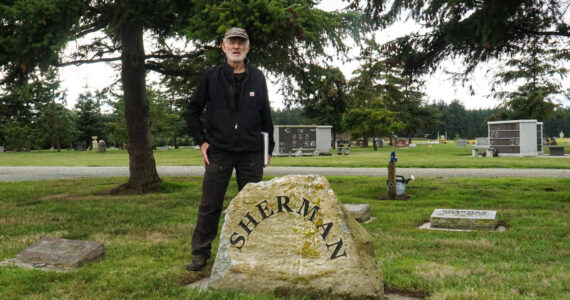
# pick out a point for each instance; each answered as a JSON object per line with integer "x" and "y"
{"x": 236, "y": 32}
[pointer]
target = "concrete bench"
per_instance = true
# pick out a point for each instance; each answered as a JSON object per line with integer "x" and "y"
{"x": 556, "y": 150}
{"x": 489, "y": 151}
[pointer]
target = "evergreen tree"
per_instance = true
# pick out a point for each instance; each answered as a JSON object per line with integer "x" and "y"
{"x": 56, "y": 126}
{"x": 323, "y": 97}
{"x": 474, "y": 30}
{"x": 380, "y": 89}
{"x": 536, "y": 72}
{"x": 287, "y": 116}
{"x": 89, "y": 121}
{"x": 34, "y": 33}
{"x": 21, "y": 106}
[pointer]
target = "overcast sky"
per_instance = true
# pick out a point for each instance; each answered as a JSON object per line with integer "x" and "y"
{"x": 438, "y": 86}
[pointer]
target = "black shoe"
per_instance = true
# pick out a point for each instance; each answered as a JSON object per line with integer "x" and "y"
{"x": 198, "y": 263}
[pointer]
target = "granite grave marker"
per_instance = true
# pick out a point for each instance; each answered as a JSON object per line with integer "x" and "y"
{"x": 464, "y": 219}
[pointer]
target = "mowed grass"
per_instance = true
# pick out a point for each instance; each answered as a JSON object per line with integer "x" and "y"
{"x": 147, "y": 238}
{"x": 422, "y": 156}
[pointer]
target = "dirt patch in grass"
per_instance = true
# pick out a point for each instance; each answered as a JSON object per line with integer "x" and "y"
{"x": 387, "y": 197}
{"x": 405, "y": 293}
{"x": 188, "y": 278}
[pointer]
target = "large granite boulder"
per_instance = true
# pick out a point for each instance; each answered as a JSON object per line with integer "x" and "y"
{"x": 292, "y": 236}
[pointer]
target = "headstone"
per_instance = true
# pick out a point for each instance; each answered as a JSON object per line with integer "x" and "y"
{"x": 400, "y": 144}
{"x": 51, "y": 149}
{"x": 292, "y": 236}
{"x": 461, "y": 143}
{"x": 94, "y": 143}
{"x": 339, "y": 150}
{"x": 346, "y": 151}
{"x": 70, "y": 253}
{"x": 1, "y": 149}
{"x": 163, "y": 148}
{"x": 381, "y": 143}
{"x": 412, "y": 145}
{"x": 556, "y": 150}
{"x": 482, "y": 142}
{"x": 464, "y": 219}
{"x": 101, "y": 146}
{"x": 360, "y": 212}
{"x": 80, "y": 146}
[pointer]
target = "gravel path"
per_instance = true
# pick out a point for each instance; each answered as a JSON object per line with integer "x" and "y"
{"x": 41, "y": 173}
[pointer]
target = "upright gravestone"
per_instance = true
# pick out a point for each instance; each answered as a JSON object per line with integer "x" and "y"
{"x": 400, "y": 143}
{"x": 292, "y": 236}
{"x": 80, "y": 146}
{"x": 101, "y": 146}
{"x": 94, "y": 143}
{"x": 482, "y": 142}
{"x": 1, "y": 149}
{"x": 461, "y": 143}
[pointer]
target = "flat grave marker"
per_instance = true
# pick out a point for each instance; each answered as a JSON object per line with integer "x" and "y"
{"x": 464, "y": 219}
{"x": 63, "y": 252}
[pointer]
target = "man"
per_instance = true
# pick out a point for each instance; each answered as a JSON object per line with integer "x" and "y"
{"x": 237, "y": 111}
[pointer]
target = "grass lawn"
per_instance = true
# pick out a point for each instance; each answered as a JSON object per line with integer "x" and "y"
{"x": 423, "y": 156}
{"x": 147, "y": 238}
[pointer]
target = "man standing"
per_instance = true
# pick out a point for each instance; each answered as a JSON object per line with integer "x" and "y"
{"x": 237, "y": 111}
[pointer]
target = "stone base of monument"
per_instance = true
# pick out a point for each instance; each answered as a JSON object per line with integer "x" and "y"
{"x": 58, "y": 255}
{"x": 291, "y": 236}
{"x": 427, "y": 225}
{"x": 463, "y": 219}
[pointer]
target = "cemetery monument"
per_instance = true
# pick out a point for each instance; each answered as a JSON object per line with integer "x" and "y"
{"x": 292, "y": 236}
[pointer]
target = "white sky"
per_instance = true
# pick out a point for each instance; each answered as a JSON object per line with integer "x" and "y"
{"x": 438, "y": 86}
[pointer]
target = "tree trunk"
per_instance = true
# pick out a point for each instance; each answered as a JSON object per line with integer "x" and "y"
{"x": 374, "y": 144}
{"x": 142, "y": 167}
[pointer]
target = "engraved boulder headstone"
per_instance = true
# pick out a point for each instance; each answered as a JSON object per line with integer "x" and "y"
{"x": 292, "y": 236}
{"x": 464, "y": 219}
{"x": 69, "y": 253}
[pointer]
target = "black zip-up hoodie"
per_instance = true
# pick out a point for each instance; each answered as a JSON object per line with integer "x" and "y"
{"x": 227, "y": 127}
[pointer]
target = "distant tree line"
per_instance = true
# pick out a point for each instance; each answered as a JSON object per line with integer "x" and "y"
{"x": 456, "y": 121}
{"x": 37, "y": 118}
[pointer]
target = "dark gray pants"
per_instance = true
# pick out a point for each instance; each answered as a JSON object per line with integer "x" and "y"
{"x": 249, "y": 168}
